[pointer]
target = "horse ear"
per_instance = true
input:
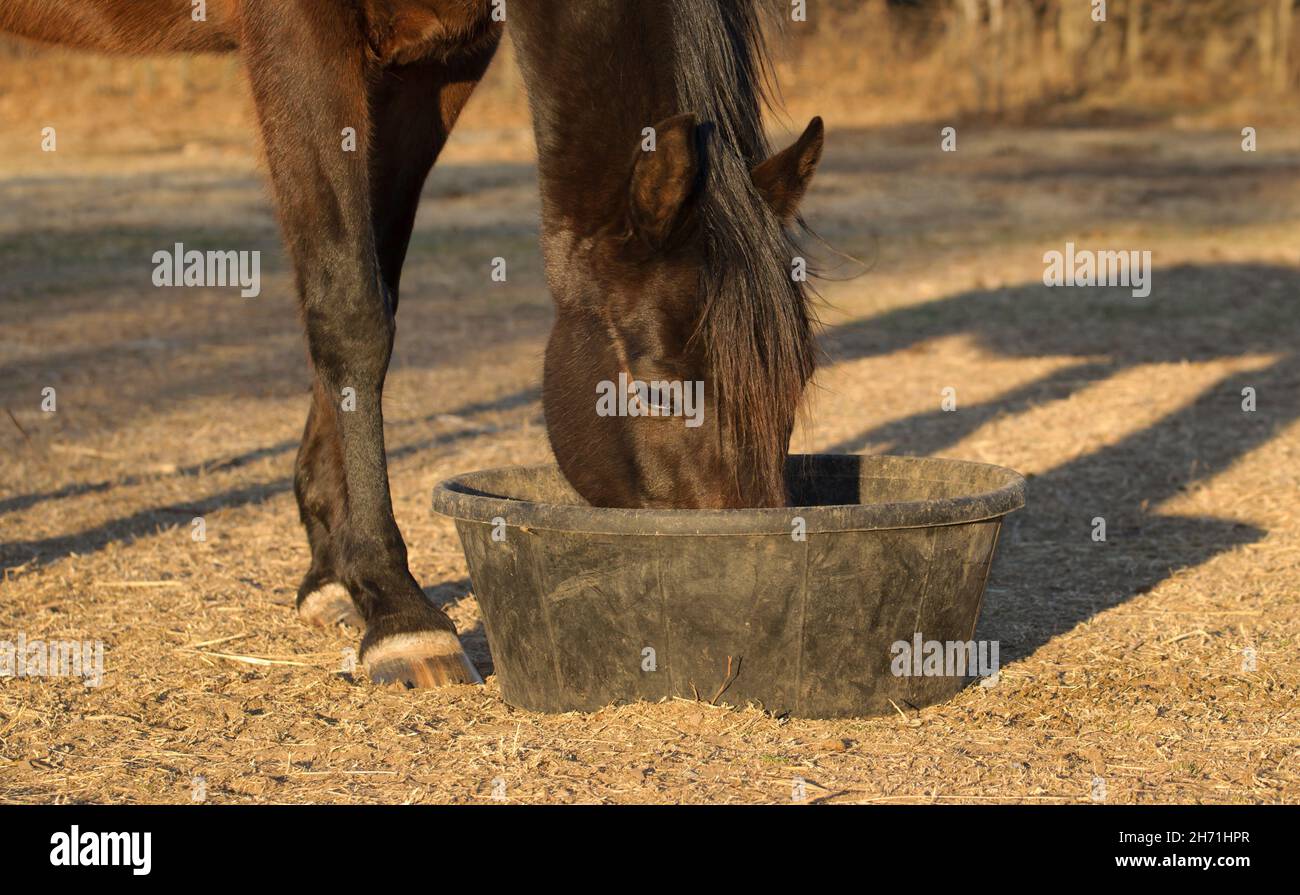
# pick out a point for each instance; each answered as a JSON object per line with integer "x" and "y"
{"x": 664, "y": 178}
{"x": 784, "y": 178}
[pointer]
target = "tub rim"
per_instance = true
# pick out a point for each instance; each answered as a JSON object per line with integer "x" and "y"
{"x": 459, "y": 498}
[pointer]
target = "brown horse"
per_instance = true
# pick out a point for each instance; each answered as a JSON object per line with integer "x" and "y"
{"x": 664, "y": 230}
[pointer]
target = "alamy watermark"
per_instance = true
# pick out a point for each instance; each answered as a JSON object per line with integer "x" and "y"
{"x": 1083, "y": 267}
{"x": 944, "y": 658}
{"x": 636, "y": 397}
{"x": 88, "y": 849}
{"x": 56, "y": 658}
{"x": 179, "y": 267}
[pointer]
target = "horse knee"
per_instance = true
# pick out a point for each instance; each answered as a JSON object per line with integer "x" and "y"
{"x": 356, "y": 337}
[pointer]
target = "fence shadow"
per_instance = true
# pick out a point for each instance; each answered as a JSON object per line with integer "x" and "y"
{"x": 153, "y": 520}
{"x": 1050, "y": 574}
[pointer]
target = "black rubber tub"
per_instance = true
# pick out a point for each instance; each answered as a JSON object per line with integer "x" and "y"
{"x": 798, "y": 609}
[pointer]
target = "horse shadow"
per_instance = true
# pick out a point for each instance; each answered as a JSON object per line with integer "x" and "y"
{"x": 1051, "y": 574}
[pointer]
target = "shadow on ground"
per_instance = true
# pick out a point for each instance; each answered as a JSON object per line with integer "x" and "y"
{"x": 1050, "y": 574}
{"x": 148, "y": 522}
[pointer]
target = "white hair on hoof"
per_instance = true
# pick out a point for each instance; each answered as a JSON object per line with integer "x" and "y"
{"x": 420, "y": 659}
{"x": 329, "y": 606}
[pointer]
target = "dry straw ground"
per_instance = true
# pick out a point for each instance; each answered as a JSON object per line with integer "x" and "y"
{"x": 1122, "y": 660}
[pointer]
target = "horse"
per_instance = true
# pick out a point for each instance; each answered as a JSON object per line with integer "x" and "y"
{"x": 666, "y": 235}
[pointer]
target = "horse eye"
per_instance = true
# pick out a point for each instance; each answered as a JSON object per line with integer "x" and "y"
{"x": 651, "y": 369}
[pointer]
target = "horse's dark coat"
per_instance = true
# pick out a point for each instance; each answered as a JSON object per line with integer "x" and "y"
{"x": 664, "y": 265}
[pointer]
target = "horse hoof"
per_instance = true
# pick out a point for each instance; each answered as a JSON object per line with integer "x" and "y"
{"x": 328, "y": 606}
{"x": 419, "y": 659}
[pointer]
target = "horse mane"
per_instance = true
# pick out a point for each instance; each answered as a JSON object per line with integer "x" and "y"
{"x": 756, "y": 326}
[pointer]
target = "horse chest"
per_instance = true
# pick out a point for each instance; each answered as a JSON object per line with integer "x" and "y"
{"x": 401, "y": 31}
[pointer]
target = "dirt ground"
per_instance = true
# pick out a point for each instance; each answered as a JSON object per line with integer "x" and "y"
{"x": 1157, "y": 666}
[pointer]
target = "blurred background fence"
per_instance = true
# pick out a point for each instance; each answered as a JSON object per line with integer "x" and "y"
{"x": 1018, "y": 57}
{"x": 858, "y": 61}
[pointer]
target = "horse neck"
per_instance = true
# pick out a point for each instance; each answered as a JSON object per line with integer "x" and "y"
{"x": 597, "y": 74}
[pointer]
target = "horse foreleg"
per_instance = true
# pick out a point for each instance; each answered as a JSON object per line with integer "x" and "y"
{"x": 306, "y": 98}
{"x": 414, "y": 108}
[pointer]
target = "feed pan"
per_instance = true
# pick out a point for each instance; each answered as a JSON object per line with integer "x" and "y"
{"x": 800, "y": 609}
